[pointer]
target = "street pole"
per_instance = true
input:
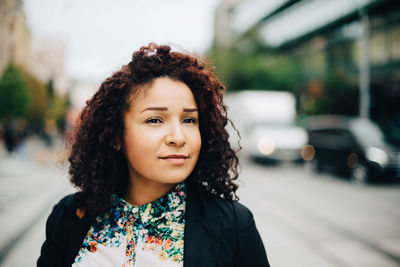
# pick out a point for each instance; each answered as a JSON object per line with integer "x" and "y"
{"x": 364, "y": 75}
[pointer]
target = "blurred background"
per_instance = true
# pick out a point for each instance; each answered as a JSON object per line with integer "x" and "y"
{"x": 313, "y": 87}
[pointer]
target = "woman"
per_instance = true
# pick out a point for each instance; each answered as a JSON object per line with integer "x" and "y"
{"x": 155, "y": 172}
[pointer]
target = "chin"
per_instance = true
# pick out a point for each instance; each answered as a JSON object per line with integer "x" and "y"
{"x": 174, "y": 178}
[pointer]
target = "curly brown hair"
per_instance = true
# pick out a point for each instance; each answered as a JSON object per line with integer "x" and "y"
{"x": 98, "y": 170}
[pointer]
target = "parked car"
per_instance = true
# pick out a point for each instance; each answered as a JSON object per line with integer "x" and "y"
{"x": 266, "y": 121}
{"x": 276, "y": 141}
{"x": 354, "y": 146}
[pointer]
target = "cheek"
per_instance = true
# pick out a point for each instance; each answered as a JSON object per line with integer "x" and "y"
{"x": 139, "y": 146}
{"x": 196, "y": 143}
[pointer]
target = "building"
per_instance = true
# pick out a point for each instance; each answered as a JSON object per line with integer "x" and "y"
{"x": 14, "y": 34}
{"x": 223, "y": 14}
{"x": 44, "y": 59}
{"x": 354, "y": 43}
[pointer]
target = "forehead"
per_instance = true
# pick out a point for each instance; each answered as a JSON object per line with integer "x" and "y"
{"x": 163, "y": 91}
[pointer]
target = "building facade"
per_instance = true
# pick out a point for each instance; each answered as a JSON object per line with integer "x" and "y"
{"x": 14, "y": 34}
{"x": 44, "y": 59}
{"x": 346, "y": 49}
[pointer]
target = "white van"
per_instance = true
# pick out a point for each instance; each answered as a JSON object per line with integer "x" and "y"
{"x": 266, "y": 122}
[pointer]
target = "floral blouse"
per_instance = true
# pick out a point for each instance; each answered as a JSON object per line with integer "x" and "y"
{"x": 145, "y": 236}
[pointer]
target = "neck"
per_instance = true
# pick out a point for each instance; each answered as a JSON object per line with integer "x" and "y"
{"x": 142, "y": 192}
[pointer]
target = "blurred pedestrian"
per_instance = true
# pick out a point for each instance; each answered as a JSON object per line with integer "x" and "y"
{"x": 155, "y": 174}
{"x": 10, "y": 136}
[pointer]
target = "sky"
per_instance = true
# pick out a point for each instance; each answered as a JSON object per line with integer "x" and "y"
{"x": 101, "y": 35}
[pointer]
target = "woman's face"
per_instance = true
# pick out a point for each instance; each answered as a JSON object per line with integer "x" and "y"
{"x": 162, "y": 138}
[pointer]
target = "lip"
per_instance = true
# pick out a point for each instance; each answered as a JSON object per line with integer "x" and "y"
{"x": 175, "y": 159}
{"x": 174, "y": 156}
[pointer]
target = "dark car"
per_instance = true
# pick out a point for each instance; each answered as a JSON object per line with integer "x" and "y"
{"x": 354, "y": 146}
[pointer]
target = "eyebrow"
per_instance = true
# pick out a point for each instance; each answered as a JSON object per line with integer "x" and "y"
{"x": 165, "y": 109}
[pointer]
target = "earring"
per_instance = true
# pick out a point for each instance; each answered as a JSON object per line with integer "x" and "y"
{"x": 116, "y": 147}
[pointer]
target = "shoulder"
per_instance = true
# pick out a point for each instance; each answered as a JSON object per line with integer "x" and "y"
{"x": 66, "y": 212}
{"x": 235, "y": 210}
{"x": 243, "y": 215}
{"x": 69, "y": 201}
{"x": 65, "y": 231}
{"x": 238, "y": 222}
{"x": 237, "y": 230}
{"x": 231, "y": 210}
{"x": 67, "y": 205}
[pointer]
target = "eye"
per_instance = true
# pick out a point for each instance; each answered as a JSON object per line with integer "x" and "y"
{"x": 154, "y": 121}
{"x": 189, "y": 120}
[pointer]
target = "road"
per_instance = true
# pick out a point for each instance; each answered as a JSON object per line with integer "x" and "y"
{"x": 304, "y": 219}
{"x": 321, "y": 220}
{"x": 31, "y": 182}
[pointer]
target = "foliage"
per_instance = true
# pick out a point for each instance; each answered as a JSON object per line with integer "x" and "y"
{"x": 14, "y": 96}
{"x": 319, "y": 84}
{"x": 62, "y": 104}
{"x": 22, "y": 95}
{"x": 252, "y": 65}
{"x": 255, "y": 71}
{"x": 340, "y": 97}
{"x": 38, "y": 99}
{"x": 333, "y": 93}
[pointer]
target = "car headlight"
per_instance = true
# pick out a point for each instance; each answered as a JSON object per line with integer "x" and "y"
{"x": 377, "y": 155}
{"x": 266, "y": 146}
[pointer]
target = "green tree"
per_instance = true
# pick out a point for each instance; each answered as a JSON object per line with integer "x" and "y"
{"x": 14, "y": 97}
{"x": 252, "y": 65}
{"x": 38, "y": 99}
{"x": 341, "y": 96}
{"x": 61, "y": 106}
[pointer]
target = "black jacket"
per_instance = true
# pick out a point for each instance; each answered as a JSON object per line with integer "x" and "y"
{"x": 218, "y": 232}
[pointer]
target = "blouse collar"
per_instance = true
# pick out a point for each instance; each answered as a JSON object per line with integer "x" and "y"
{"x": 153, "y": 211}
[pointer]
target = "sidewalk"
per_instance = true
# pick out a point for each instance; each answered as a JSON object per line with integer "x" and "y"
{"x": 30, "y": 184}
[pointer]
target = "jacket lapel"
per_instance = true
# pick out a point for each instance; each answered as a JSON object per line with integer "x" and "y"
{"x": 202, "y": 224}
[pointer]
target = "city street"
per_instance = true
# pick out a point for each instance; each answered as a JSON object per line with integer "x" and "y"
{"x": 31, "y": 182}
{"x": 310, "y": 220}
{"x": 304, "y": 219}
{"x": 312, "y": 84}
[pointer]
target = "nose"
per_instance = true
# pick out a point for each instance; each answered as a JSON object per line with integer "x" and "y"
{"x": 175, "y": 136}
